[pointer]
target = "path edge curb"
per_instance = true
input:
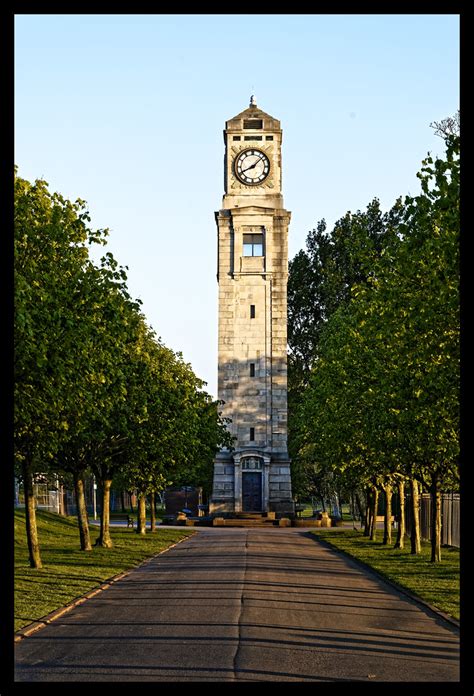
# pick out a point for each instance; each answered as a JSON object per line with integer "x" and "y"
{"x": 57, "y": 613}
{"x": 403, "y": 590}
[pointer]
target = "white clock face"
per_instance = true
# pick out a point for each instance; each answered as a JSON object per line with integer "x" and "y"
{"x": 252, "y": 167}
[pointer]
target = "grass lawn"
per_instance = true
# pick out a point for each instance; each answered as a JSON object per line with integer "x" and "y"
{"x": 308, "y": 509}
{"x": 435, "y": 583}
{"x": 67, "y": 572}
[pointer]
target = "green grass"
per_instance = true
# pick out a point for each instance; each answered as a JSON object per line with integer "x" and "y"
{"x": 160, "y": 512}
{"x": 308, "y": 510}
{"x": 67, "y": 572}
{"x": 435, "y": 583}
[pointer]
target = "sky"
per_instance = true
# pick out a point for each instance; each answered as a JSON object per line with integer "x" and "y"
{"x": 127, "y": 112}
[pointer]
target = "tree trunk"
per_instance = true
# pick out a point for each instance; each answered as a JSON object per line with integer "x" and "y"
{"x": 368, "y": 509}
{"x": 353, "y": 512}
{"x": 415, "y": 536}
{"x": 122, "y": 500}
{"x": 152, "y": 512}
{"x": 82, "y": 518}
{"x": 104, "y": 539}
{"x": 30, "y": 517}
{"x": 387, "y": 519}
{"x": 373, "y": 520}
{"x": 360, "y": 508}
{"x": 141, "y": 516}
{"x": 64, "y": 505}
{"x": 399, "y": 544}
{"x": 435, "y": 520}
{"x": 130, "y": 493}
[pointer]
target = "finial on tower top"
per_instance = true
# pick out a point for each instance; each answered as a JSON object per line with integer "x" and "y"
{"x": 252, "y": 101}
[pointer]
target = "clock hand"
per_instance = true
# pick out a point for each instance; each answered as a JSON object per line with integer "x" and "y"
{"x": 253, "y": 165}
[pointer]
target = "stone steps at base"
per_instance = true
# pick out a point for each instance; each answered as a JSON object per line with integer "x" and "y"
{"x": 262, "y": 522}
{"x": 219, "y": 522}
{"x": 311, "y": 523}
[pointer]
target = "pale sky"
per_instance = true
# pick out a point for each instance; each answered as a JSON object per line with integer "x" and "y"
{"x": 127, "y": 112}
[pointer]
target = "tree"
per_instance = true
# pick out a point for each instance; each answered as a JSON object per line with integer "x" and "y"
{"x": 86, "y": 346}
{"x": 322, "y": 276}
{"x": 448, "y": 126}
{"x": 119, "y": 327}
{"x": 94, "y": 388}
{"x": 382, "y": 397}
{"x": 180, "y": 428}
{"x": 320, "y": 281}
{"x": 51, "y": 237}
{"x": 431, "y": 264}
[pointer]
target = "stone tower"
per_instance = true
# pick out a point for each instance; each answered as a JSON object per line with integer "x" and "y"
{"x": 252, "y": 272}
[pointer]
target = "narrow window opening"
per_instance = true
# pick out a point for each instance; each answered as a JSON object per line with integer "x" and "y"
{"x": 252, "y": 369}
{"x": 252, "y": 434}
{"x": 236, "y": 137}
{"x": 252, "y": 311}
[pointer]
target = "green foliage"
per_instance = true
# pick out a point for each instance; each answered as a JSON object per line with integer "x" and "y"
{"x": 320, "y": 281}
{"x": 321, "y": 276}
{"x": 94, "y": 387}
{"x": 50, "y": 256}
{"x": 381, "y": 398}
{"x": 175, "y": 429}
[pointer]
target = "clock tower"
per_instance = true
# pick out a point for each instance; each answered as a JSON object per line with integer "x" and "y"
{"x": 252, "y": 272}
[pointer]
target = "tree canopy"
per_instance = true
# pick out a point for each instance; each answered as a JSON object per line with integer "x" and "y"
{"x": 95, "y": 388}
{"x": 374, "y": 339}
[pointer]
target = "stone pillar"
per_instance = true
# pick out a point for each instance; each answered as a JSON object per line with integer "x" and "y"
{"x": 237, "y": 484}
{"x": 266, "y": 483}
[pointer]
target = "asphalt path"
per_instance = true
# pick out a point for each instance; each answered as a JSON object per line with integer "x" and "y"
{"x": 245, "y": 605}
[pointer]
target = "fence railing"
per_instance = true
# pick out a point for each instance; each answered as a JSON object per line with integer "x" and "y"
{"x": 63, "y": 500}
{"x": 450, "y": 518}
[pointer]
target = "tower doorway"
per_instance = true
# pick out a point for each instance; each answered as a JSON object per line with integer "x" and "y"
{"x": 251, "y": 491}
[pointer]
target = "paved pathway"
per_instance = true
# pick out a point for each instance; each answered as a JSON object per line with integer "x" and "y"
{"x": 244, "y": 604}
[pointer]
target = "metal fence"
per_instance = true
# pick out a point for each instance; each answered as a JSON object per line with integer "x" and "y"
{"x": 50, "y": 495}
{"x": 450, "y": 518}
{"x": 47, "y": 497}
